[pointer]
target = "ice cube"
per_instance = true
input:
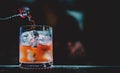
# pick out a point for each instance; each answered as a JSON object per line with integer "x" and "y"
{"x": 30, "y": 55}
{"x": 33, "y": 38}
{"x": 44, "y": 37}
{"x": 48, "y": 56}
{"x": 34, "y": 42}
{"x": 25, "y": 38}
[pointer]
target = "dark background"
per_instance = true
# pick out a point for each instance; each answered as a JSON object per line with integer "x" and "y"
{"x": 100, "y": 30}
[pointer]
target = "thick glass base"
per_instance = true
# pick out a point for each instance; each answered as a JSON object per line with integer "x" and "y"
{"x": 36, "y": 66}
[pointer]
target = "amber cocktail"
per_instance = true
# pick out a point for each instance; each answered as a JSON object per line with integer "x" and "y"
{"x": 36, "y": 47}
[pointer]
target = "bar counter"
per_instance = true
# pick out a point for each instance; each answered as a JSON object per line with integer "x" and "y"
{"x": 61, "y": 69}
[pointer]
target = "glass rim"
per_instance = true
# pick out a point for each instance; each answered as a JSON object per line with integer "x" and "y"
{"x": 35, "y": 25}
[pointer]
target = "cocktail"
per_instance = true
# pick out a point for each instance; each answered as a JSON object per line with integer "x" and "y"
{"x": 35, "y": 47}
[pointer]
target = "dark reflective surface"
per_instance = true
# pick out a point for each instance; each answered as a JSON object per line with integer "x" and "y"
{"x": 61, "y": 69}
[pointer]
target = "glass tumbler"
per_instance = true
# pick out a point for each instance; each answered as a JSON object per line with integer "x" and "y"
{"x": 35, "y": 46}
